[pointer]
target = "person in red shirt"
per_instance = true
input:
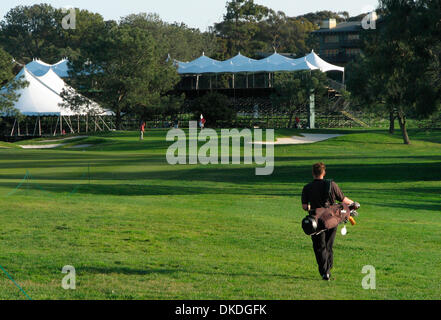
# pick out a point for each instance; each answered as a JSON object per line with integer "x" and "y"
{"x": 202, "y": 122}
{"x": 297, "y": 123}
{"x": 142, "y": 130}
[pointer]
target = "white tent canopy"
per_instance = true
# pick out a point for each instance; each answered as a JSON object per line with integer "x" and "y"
{"x": 40, "y": 68}
{"x": 324, "y": 66}
{"x": 42, "y": 97}
{"x": 242, "y": 64}
{"x": 38, "y": 98}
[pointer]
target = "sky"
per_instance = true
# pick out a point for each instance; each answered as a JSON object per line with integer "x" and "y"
{"x": 195, "y": 13}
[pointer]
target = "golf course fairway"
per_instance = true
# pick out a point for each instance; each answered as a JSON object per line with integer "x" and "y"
{"x": 135, "y": 227}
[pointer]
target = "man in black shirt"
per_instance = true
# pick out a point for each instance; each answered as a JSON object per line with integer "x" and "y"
{"x": 315, "y": 196}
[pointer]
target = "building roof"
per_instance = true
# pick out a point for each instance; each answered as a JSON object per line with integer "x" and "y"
{"x": 351, "y": 26}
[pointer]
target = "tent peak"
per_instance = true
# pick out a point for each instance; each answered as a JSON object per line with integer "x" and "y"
{"x": 275, "y": 62}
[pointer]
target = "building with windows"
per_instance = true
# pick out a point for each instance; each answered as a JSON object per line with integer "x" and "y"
{"x": 339, "y": 43}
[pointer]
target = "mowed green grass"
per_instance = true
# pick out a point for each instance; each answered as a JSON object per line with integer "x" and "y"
{"x": 135, "y": 227}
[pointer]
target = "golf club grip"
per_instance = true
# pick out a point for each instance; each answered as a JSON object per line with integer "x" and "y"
{"x": 352, "y": 220}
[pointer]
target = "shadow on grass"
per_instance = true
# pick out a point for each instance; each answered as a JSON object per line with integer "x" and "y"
{"x": 188, "y": 178}
{"x": 245, "y": 174}
{"x": 426, "y": 205}
{"x": 129, "y": 271}
{"x": 143, "y": 190}
{"x": 123, "y": 270}
{"x": 84, "y": 161}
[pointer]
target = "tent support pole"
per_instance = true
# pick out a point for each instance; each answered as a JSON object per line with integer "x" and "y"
{"x": 97, "y": 124}
{"x": 112, "y": 125}
{"x": 312, "y": 110}
{"x": 69, "y": 124}
{"x": 13, "y": 127}
{"x": 104, "y": 123}
{"x": 39, "y": 126}
{"x": 56, "y": 126}
{"x": 35, "y": 127}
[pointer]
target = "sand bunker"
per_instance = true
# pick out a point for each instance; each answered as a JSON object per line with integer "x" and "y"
{"x": 53, "y": 145}
{"x": 305, "y": 139}
{"x": 63, "y": 139}
{"x": 43, "y": 146}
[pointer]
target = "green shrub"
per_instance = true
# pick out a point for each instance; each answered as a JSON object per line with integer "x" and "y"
{"x": 215, "y": 107}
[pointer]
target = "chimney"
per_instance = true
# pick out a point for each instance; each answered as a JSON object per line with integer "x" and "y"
{"x": 328, "y": 24}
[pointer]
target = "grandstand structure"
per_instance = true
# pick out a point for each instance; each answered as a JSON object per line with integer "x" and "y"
{"x": 249, "y": 83}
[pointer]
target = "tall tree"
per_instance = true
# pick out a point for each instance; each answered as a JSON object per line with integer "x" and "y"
{"x": 240, "y": 25}
{"x": 8, "y": 84}
{"x": 28, "y": 32}
{"x": 37, "y": 31}
{"x": 293, "y": 91}
{"x": 285, "y": 34}
{"x": 123, "y": 69}
{"x": 401, "y": 66}
{"x": 177, "y": 39}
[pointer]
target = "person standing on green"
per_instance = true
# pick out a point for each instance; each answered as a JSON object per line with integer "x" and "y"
{"x": 142, "y": 130}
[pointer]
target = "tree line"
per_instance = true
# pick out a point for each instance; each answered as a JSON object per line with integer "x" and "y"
{"x": 400, "y": 69}
{"x": 127, "y": 65}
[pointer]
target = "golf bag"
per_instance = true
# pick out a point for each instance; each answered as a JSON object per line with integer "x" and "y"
{"x": 322, "y": 219}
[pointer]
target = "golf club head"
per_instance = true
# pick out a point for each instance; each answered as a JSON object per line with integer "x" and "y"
{"x": 355, "y": 206}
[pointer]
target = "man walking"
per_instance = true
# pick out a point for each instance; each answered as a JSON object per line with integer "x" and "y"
{"x": 315, "y": 195}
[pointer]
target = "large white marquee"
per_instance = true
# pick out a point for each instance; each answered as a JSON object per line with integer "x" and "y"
{"x": 242, "y": 64}
{"x": 42, "y": 96}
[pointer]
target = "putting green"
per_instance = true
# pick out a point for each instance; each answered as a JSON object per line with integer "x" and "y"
{"x": 135, "y": 227}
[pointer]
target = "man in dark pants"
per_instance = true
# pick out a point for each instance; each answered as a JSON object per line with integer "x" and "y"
{"x": 315, "y": 196}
